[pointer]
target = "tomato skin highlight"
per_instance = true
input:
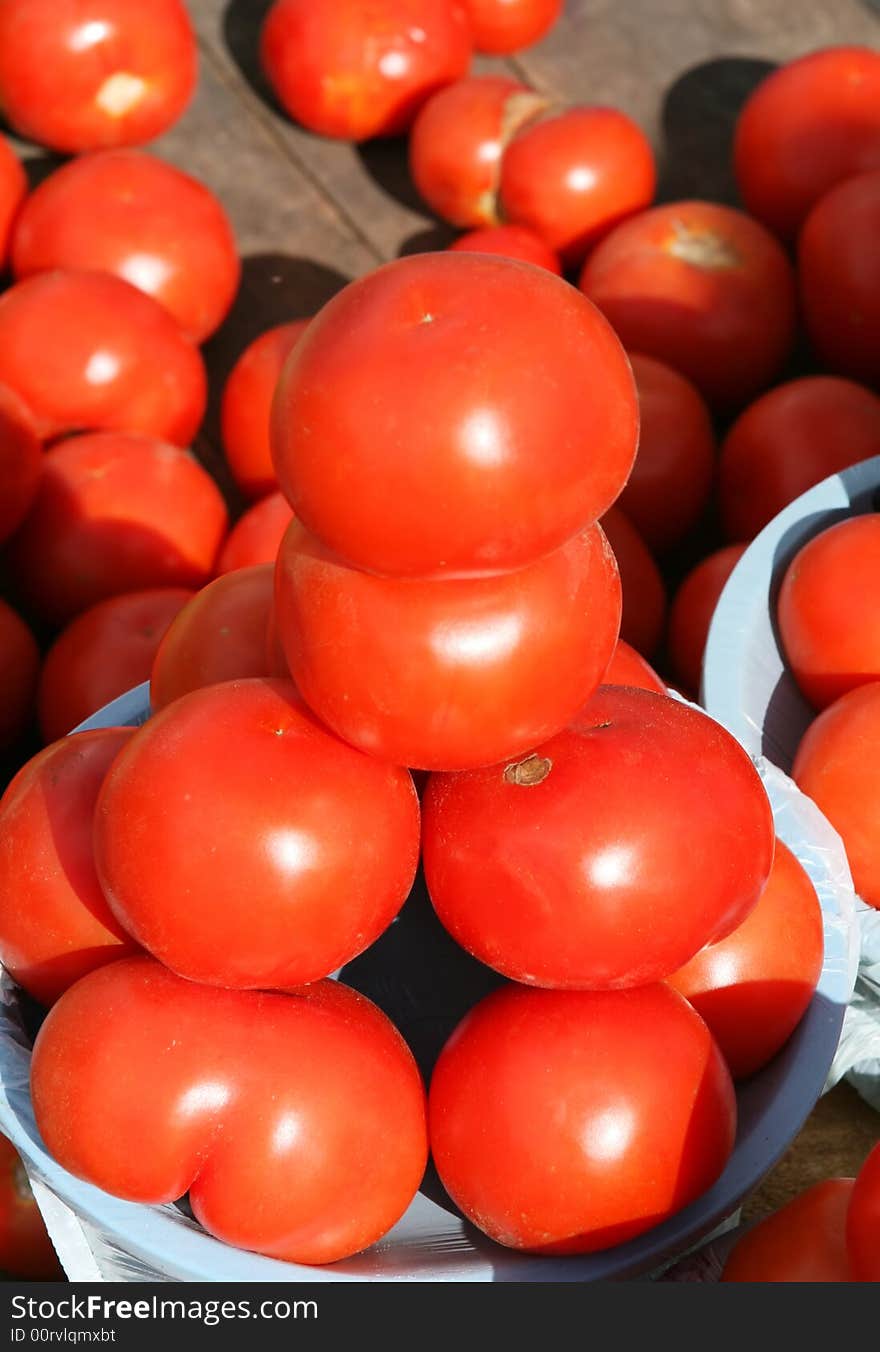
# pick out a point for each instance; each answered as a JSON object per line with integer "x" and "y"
{"x": 863, "y": 1221}
{"x": 25, "y": 1247}
{"x": 802, "y": 1242}
{"x": 257, "y": 534}
{"x": 246, "y": 406}
{"x": 690, "y": 615}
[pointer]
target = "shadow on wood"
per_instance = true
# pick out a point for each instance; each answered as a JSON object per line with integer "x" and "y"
{"x": 242, "y": 22}
{"x": 429, "y": 240}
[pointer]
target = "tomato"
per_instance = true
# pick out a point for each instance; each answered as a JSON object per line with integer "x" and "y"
{"x": 219, "y": 636}
{"x": 131, "y": 214}
{"x": 505, "y": 469}
{"x": 671, "y": 480}
{"x": 572, "y": 176}
{"x": 802, "y": 1242}
{"x": 19, "y": 670}
{"x": 88, "y": 351}
{"x": 453, "y": 672}
{"x": 644, "y": 591}
{"x": 567, "y": 869}
{"x": 276, "y": 662}
{"x": 94, "y": 73}
{"x": 457, "y": 141}
{"x": 104, "y": 652}
{"x": 628, "y": 667}
{"x": 271, "y": 877}
{"x": 21, "y": 461}
{"x": 570, "y": 1121}
{"x": 115, "y": 513}
{"x": 247, "y": 404}
{"x": 346, "y": 69}
{"x": 55, "y": 924}
{"x": 509, "y": 241}
{"x": 839, "y": 270}
{"x": 500, "y": 27}
{"x": 863, "y": 1221}
{"x": 25, "y": 1247}
{"x": 257, "y": 534}
{"x": 808, "y": 126}
{"x": 295, "y": 1121}
{"x": 703, "y": 288}
{"x": 837, "y": 766}
{"x": 13, "y": 189}
{"x": 690, "y": 615}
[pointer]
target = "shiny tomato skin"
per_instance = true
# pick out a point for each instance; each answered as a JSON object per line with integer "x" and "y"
{"x": 804, "y": 1241}
{"x": 863, "y": 1221}
{"x": 88, "y": 351}
{"x": 80, "y": 75}
{"x": 19, "y": 672}
{"x": 25, "y": 1247}
{"x": 644, "y": 591}
{"x": 509, "y": 241}
{"x": 104, "y": 652}
{"x": 21, "y": 461}
{"x": 55, "y": 924}
{"x": 570, "y": 1121}
{"x": 504, "y": 470}
{"x": 447, "y": 673}
{"x": 246, "y": 406}
{"x": 500, "y": 27}
{"x": 13, "y": 190}
{"x": 354, "y": 69}
{"x": 808, "y": 126}
{"x": 257, "y": 534}
{"x": 628, "y": 667}
{"x": 295, "y": 1121}
{"x": 690, "y": 615}
{"x": 703, "y": 288}
{"x": 289, "y": 868}
{"x": 159, "y": 229}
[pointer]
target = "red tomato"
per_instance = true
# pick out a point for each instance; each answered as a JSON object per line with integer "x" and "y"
{"x": 25, "y": 1247}
{"x": 276, "y": 662}
{"x": 863, "y": 1221}
{"x": 644, "y": 591}
{"x": 296, "y": 1122}
{"x": 802, "y": 1242}
{"x": 830, "y": 629}
{"x": 19, "y": 670}
{"x": 94, "y": 73}
{"x": 256, "y": 536}
{"x": 447, "y": 673}
{"x": 131, "y": 214}
{"x": 628, "y": 667}
{"x": 567, "y": 869}
{"x": 219, "y": 636}
{"x": 104, "y": 652}
{"x": 115, "y": 513}
{"x": 671, "y": 480}
{"x": 509, "y": 241}
{"x": 13, "y": 189}
{"x": 690, "y": 615}
{"x": 271, "y": 877}
{"x": 85, "y": 350}
{"x": 503, "y": 26}
{"x": 574, "y": 175}
{"x": 704, "y": 289}
{"x": 21, "y": 461}
{"x": 505, "y": 469}
{"x": 839, "y": 270}
{"x": 247, "y": 404}
{"x": 346, "y": 69}
{"x": 807, "y": 126}
{"x": 65, "y": 929}
{"x": 570, "y": 1121}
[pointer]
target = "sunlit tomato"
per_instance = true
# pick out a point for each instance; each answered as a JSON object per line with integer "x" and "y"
{"x": 644, "y": 591}
{"x": 247, "y": 404}
{"x": 256, "y": 536}
{"x": 104, "y": 652}
{"x": 704, "y": 289}
{"x": 131, "y": 214}
{"x": 838, "y": 767}
{"x": 570, "y": 1121}
{"x": 807, "y": 126}
{"x": 504, "y": 469}
{"x": 566, "y": 868}
{"x": 805, "y": 1241}
{"x": 628, "y": 667}
{"x": 19, "y": 670}
{"x": 25, "y": 1247}
{"x": 85, "y": 350}
{"x": 503, "y": 26}
{"x": 671, "y": 480}
{"x": 55, "y": 924}
{"x": 863, "y": 1221}
{"x": 458, "y": 139}
{"x": 95, "y": 73}
{"x": 295, "y": 1121}
{"x": 13, "y": 188}
{"x": 574, "y": 175}
{"x": 453, "y": 672}
{"x": 690, "y": 615}
{"x": 270, "y": 877}
{"x": 21, "y": 461}
{"x": 115, "y": 513}
{"x": 839, "y": 271}
{"x": 346, "y": 69}
{"x": 509, "y": 241}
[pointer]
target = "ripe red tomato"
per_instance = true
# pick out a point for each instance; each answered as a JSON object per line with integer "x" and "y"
{"x": 13, "y": 189}
{"x": 805, "y": 1241}
{"x": 504, "y": 470}
{"x": 690, "y": 615}
{"x": 257, "y": 534}
{"x": 246, "y": 406}
{"x": 574, "y": 175}
{"x": 644, "y": 591}
{"x": 85, "y": 350}
{"x": 25, "y": 1247}
{"x": 453, "y": 672}
{"x": 807, "y": 126}
{"x": 289, "y": 868}
{"x": 21, "y": 461}
{"x": 509, "y": 241}
{"x": 346, "y": 69}
{"x": 628, "y": 667}
{"x": 500, "y": 27}
{"x": 570, "y": 1121}
{"x": 19, "y": 670}
{"x": 104, "y": 652}
{"x": 133, "y": 215}
{"x": 703, "y": 288}
{"x": 95, "y": 73}
{"x": 863, "y": 1221}
{"x": 276, "y": 662}
{"x": 839, "y": 270}
{"x": 65, "y": 929}
{"x": 295, "y": 1121}
{"x": 566, "y": 868}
